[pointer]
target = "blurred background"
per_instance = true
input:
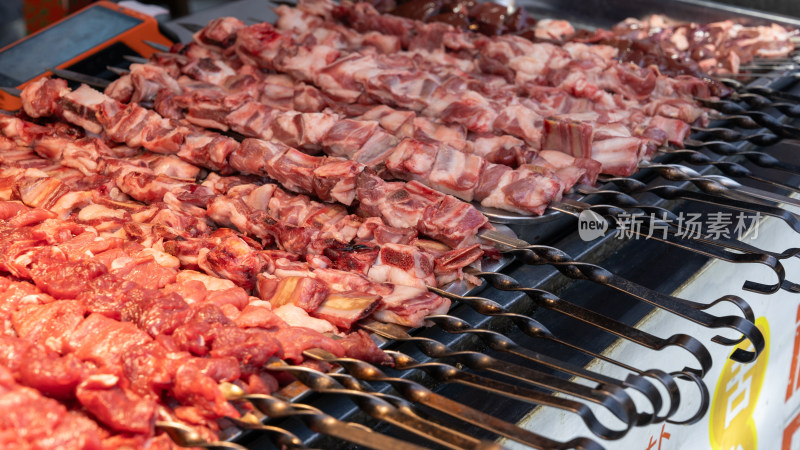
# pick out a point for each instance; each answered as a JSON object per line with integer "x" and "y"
{"x": 18, "y": 17}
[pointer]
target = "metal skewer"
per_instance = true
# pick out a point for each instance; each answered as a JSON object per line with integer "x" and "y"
{"x": 622, "y": 407}
{"x": 552, "y": 302}
{"x": 157, "y": 46}
{"x": 761, "y": 159}
{"x": 316, "y": 420}
{"x": 281, "y": 437}
{"x": 419, "y": 394}
{"x": 541, "y": 254}
{"x": 753, "y": 100}
{"x": 536, "y": 330}
{"x": 679, "y": 237}
{"x": 675, "y": 193}
{"x": 187, "y": 437}
{"x": 400, "y": 414}
{"x": 500, "y": 342}
{"x": 611, "y": 397}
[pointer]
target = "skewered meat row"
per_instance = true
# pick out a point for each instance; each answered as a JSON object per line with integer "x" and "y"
{"x": 525, "y": 65}
{"x": 368, "y": 270}
{"x": 617, "y": 152}
{"x": 445, "y": 219}
{"x": 616, "y": 149}
{"x": 717, "y": 48}
{"x": 438, "y": 166}
{"x": 439, "y": 47}
{"x": 674, "y": 47}
{"x": 146, "y": 81}
{"x": 215, "y": 107}
{"x": 205, "y": 113}
{"x": 263, "y": 211}
{"x": 163, "y": 228}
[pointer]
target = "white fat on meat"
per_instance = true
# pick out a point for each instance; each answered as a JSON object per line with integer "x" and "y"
{"x": 408, "y": 306}
{"x": 298, "y": 317}
{"x": 161, "y": 258}
{"x": 285, "y": 268}
{"x": 618, "y": 155}
{"x": 71, "y": 201}
{"x": 456, "y": 173}
{"x": 211, "y": 283}
{"x": 553, "y": 29}
{"x": 538, "y": 192}
{"x": 84, "y": 101}
{"x": 99, "y": 212}
{"x": 403, "y": 265}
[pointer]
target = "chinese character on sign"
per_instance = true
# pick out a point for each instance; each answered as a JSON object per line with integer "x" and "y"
{"x": 794, "y": 375}
{"x": 738, "y": 392}
{"x": 663, "y": 436}
{"x": 791, "y": 434}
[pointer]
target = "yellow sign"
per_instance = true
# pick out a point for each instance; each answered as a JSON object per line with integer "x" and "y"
{"x": 731, "y": 425}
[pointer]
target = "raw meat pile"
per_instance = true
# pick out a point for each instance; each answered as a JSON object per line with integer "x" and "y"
{"x": 147, "y": 254}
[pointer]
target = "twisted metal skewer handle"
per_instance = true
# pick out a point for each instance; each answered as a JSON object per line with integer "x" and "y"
{"x": 705, "y": 398}
{"x": 318, "y": 421}
{"x": 444, "y": 436}
{"x": 711, "y": 184}
{"x": 761, "y": 102}
{"x": 536, "y": 330}
{"x": 501, "y": 342}
{"x": 612, "y": 397}
{"x": 417, "y": 393}
{"x": 684, "y": 308}
{"x": 759, "y": 158}
{"x": 187, "y": 437}
{"x": 744, "y": 118}
{"x": 549, "y": 301}
{"x": 760, "y": 90}
{"x": 672, "y": 236}
{"x": 674, "y": 193}
{"x": 281, "y": 437}
{"x": 385, "y": 407}
{"x": 545, "y": 255}
{"x": 450, "y": 374}
{"x": 677, "y": 172}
